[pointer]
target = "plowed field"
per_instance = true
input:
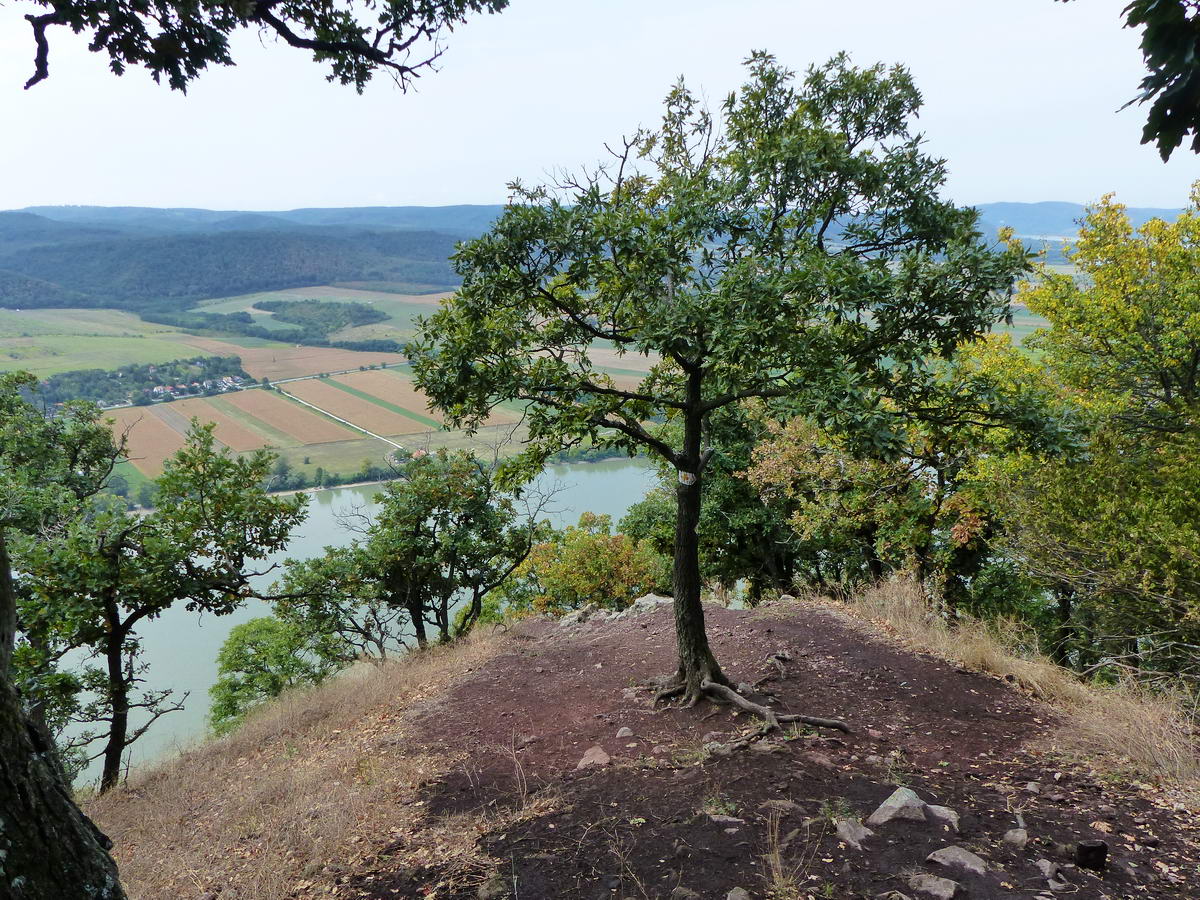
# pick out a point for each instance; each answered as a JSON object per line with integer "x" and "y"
{"x": 290, "y": 418}
{"x": 361, "y": 412}
{"x": 151, "y": 440}
{"x": 233, "y": 434}
{"x": 399, "y": 389}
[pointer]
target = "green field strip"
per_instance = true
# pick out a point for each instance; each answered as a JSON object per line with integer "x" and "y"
{"x": 340, "y": 457}
{"x": 378, "y": 401}
{"x": 133, "y": 477}
{"x": 613, "y": 370}
{"x": 275, "y": 437}
{"x": 49, "y": 355}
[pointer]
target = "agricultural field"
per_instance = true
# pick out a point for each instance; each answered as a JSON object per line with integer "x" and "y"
{"x": 277, "y": 361}
{"x": 289, "y": 423}
{"x": 149, "y": 438}
{"x": 232, "y": 431}
{"x": 402, "y": 309}
{"x": 48, "y": 341}
{"x": 1024, "y": 324}
{"x": 362, "y": 410}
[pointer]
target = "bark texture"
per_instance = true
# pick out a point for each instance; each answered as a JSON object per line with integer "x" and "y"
{"x": 697, "y": 664}
{"x": 49, "y": 850}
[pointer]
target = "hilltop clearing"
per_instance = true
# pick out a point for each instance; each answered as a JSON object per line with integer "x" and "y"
{"x": 529, "y": 764}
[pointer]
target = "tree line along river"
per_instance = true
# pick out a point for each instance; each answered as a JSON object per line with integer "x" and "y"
{"x": 181, "y": 647}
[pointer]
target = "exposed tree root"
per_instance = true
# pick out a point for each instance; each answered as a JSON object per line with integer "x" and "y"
{"x": 771, "y": 721}
{"x": 669, "y": 686}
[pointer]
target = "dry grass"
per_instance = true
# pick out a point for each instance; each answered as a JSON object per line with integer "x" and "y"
{"x": 785, "y": 869}
{"x": 1124, "y": 726}
{"x": 313, "y": 784}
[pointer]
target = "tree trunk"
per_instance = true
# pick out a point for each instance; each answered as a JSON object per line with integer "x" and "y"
{"x": 416, "y": 612}
{"x": 696, "y": 661}
{"x": 874, "y": 563}
{"x": 8, "y": 609}
{"x": 1060, "y": 649}
{"x": 118, "y": 696}
{"x": 49, "y": 850}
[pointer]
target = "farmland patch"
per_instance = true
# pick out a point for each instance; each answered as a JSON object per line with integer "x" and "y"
{"x": 232, "y": 433}
{"x": 276, "y": 361}
{"x": 356, "y": 409}
{"x": 150, "y": 439}
{"x": 399, "y": 390}
{"x": 287, "y": 417}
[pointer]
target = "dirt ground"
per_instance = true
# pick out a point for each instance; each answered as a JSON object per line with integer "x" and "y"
{"x": 667, "y": 815}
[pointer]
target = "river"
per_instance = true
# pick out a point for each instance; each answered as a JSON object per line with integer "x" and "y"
{"x": 181, "y": 647}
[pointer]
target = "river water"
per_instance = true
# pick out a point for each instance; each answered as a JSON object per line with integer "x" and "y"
{"x": 181, "y": 647}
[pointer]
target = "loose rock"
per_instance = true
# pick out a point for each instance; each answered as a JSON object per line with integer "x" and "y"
{"x": 902, "y": 804}
{"x": 1048, "y": 868}
{"x": 594, "y": 756}
{"x": 494, "y": 887}
{"x": 853, "y": 832}
{"x": 1092, "y": 855}
{"x": 683, "y": 893}
{"x": 738, "y": 893}
{"x": 1016, "y": 837}
{"x": 625, "y": 732}
{"x": 818, "y": 759}
{"x": 943, "y": 814}
{"x": 932, "y": 886}
{"x": 958, "y": 857}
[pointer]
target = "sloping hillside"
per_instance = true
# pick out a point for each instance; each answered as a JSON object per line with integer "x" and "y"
{"x": 530, "y": 764}
{"x": 48, "y": 263}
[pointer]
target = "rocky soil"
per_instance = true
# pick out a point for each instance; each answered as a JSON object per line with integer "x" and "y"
{"x": 948, "y": 786}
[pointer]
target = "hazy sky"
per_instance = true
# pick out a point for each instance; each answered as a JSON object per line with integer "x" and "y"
{"x": 1021, "y": 97}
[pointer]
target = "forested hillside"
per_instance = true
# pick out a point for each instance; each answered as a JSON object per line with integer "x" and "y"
{"x": 163, "y": 260}
{"x": 44, "y": 263}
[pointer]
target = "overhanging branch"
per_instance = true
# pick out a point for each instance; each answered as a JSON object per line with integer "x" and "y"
{"x": 41, "y": 59}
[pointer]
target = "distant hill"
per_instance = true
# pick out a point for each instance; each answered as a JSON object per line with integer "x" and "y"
{"x": 150, "y": 259}
{"x": 1049, "y": 224}
{"x": 141, "y": 260}
{"x": 461, "y": 221}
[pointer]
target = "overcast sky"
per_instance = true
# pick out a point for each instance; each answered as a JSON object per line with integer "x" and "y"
{"x": 1021, "y": 96}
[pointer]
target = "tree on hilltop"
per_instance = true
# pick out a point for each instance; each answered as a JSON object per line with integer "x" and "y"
{"x": 796, "y": 251}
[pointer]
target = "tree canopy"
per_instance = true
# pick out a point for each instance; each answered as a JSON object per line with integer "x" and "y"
{"x": 92, "y": 578}
{"x": 445, "y": 533}
{"x": 48, "y": 468}
{"x": 1113, "y": 532}
{"x": 1171, "y": 49}
{"x": 796, "y": 251}
{"x": 177, "y": 41}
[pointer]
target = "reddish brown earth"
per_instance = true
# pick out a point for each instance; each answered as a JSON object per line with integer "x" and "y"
{"x": 640, "y": 827}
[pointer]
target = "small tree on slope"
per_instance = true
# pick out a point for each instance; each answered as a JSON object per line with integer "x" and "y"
{"x": 798, "y": 251}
